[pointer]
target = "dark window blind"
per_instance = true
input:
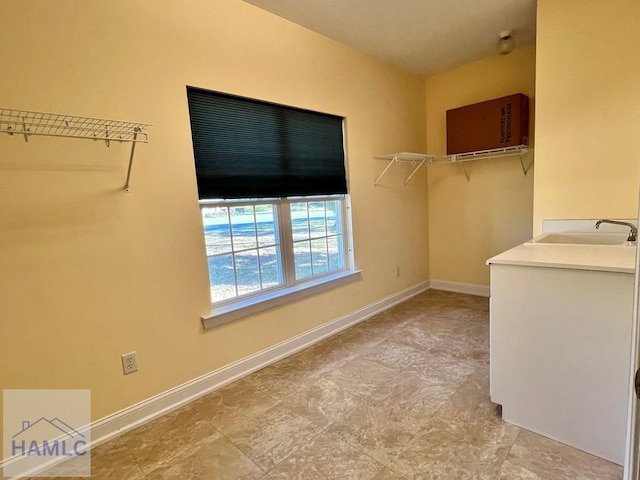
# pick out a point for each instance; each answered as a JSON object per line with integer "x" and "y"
{"x": 246, "y": 148}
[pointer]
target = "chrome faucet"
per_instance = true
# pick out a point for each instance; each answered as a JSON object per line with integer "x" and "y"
{"x": 632, "y": 234}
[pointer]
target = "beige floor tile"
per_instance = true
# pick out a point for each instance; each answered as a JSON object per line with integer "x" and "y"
{"x": 71, "y": 468}
{"x": 470, "y": 416}
{"x": 414, "y": 396}
{"x": 277, "y": 380}
{"x": 462, "y": 312}
{"x": 439, "y": 338}
{"x": 481, "y": 426}
{"x": 511, "y": 471}
{"x": 286, "y": 376}
{"x": 345, "y": 346}
{"x": 369, "y": 332}
{"x": 326, "y": 457}
{"x": 380, "y": 325}
{"x": 474, "y": 392}
{"x": 270, "y": 384}
{"x": 317, "y": 362}
{"x": 551, "y": 459}
{"x": 379, "y": 430}
{"x": 240, "y": 399}
{"x": 458, "y": 444}
{"x": 442, "y": 369}
{"x": 446, "y": 338}
{"x": 220, "y": 460}
{"x": 361, "y": 376}
{"x": 387, "y": 474}
{"x": 169, "y": 439}
{"x": 452, "y": 305}
{"x": 272, "y": 436}
{"x": 410, "y": 310}
{"x": 445, "y": 458}
{"x": 110, "y": 460}
{"x": 393, "y": 354}
{"x": 322, "y": 402}
{"x": 114, "y": 460}
{"x": 417, "y": 336}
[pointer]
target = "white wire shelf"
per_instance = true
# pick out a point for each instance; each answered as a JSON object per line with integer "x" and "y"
{"x": 492, "y": 153}
{"x": 518, "y": 150}
{"x": 27, "y": 123}
{"x": 58, "y": 125}
{"x": 420, "y": 159}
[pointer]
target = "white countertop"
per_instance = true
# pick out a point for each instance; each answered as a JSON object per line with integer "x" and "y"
{"x": 606, "y": 258}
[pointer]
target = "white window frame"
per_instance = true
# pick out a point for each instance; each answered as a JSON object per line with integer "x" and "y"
{"x": 237, "y": 307}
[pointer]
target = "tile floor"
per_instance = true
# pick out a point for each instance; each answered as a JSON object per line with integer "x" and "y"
{"x": 402, "y": 396}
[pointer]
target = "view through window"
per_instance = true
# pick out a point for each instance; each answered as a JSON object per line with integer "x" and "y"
{"x": 262, "y": 245}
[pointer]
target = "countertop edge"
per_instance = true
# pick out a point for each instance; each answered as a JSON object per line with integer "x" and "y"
{"x": 566, "y": 266}
{"x": 603, "y": 258}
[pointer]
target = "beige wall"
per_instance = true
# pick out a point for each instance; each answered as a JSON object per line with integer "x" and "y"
{"x": 588, "y": 109}
{"x": 471, "y": 221}
{"x": 89, "y": 272}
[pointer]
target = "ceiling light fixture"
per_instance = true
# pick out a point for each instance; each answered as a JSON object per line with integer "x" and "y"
{"x": 505, "y": 43}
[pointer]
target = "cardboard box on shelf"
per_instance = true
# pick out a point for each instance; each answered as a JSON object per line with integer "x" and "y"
{"x": 502, "y": 122}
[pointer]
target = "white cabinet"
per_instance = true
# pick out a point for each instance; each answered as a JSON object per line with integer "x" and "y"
{"x": 560, "y": 350}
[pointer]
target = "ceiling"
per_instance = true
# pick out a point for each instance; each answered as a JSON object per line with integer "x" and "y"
{"x": 420, "y": 36}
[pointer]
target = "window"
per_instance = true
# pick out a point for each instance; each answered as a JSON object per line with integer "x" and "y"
{"x": 243, "y": 248}
{"x": 257, "y": 246}
{"x": 273, "y": 196}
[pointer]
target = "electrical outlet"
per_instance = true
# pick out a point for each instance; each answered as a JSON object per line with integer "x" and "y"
{"x": 129, "y": 363}
{"x": 397, "y": 271}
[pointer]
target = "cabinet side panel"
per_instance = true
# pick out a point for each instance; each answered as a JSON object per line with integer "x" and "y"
{"x": 560, "y": 346}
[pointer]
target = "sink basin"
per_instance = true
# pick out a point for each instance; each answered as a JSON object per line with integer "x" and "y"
{"x": 583, "y": 238}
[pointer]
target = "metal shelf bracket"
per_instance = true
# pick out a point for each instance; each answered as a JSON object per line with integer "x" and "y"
{"x": 526, "y": 169}
{"x": 417, "y": 165}
{"x": 127, "y": 189}
{"x": 466, "y": 173}
{"x": 416, "y": 160}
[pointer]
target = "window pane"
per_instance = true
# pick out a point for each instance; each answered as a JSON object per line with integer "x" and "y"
{"x": 317, "y": 220}
{"x": 319, "y": 256}
{"x": 222, "y": 277}
{"x": 302, "y": 259}
{"x": 247, "y": 272}
{"x": 267, "y": 225}
{"x": 243, "y": 227}
{"x": 336, "y": 253}
{"x": 270, "y": 267}
{"x": 299, "y": 221}
{"x": 217, "y": 233}
{"x": 334, "y": 218}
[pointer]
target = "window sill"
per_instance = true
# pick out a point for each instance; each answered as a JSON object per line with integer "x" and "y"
{"x": 228, "y": 313}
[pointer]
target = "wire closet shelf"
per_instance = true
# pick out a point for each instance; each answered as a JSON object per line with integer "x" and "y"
{"x": 58, "y": 125}
{"x": 419, "y": 159}
{"x": 27, "y": 123}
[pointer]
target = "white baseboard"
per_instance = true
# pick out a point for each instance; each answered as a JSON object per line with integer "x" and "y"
{"x": 468, "y": 288}
{"x": 113, "y": 425}
{"x": 136, "y": 415}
